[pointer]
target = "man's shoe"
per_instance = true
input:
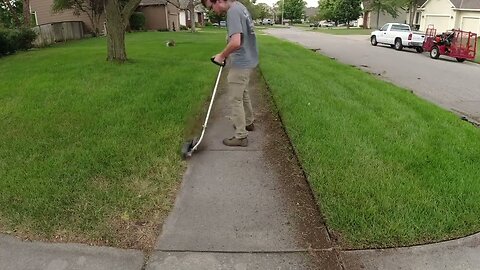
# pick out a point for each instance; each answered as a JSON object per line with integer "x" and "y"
{"x": 236, "y": 142}
{"x": 250, "y": 127}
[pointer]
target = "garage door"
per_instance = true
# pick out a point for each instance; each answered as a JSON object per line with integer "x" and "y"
{"x": 441, "y": 23}
{"x": 471, "y": 24}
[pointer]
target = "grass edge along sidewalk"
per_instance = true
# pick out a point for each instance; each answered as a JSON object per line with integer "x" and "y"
{"x": 89, "y": 150}
{"x": 387, "y": 168}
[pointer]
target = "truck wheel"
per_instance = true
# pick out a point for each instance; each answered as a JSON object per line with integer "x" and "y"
{"x": 435, "y": 52}
{"x": 398, "y": 44}
{"x": 373, "y": 40}
{"x": 419, "y": 49}
{"x": 461, "y": 60}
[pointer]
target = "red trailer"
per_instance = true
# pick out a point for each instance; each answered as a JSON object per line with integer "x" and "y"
{"x": 454, "y": 43}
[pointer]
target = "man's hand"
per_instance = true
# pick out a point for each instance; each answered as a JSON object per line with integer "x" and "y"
{"x": 219, "y": 58}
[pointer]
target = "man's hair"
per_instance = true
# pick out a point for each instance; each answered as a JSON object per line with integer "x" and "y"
{"x": 204, "y": 2}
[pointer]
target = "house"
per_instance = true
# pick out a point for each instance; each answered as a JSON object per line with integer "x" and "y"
{"x": 370, "y": 17}
{"x": 449, "y": 14}
{"x": 42, "y": 12}
{"x": 186, "y": 18}
{"x": 161, "y": 14}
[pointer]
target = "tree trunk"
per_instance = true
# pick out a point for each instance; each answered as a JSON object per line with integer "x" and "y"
{"x": 191, "y": 8}
{"x": 413, "y": 12}
{"x": 365, "y": 19}
{"x": 378, "y": 18}
{"x": 26, "y": 13}
{"x": 115, "y": 32}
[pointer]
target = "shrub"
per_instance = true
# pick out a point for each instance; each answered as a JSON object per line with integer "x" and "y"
{"x": 14, "y": 40}
{"x": 183, "y": 27}
{"x": 208, "y": 24}
{"x": 137, "y": 21}
{"x": 197, "y": 25}
{"x": 25, "y": 38}
{"x": 4, "y": 42}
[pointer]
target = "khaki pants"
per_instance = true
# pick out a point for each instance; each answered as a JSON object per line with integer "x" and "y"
{"x": 241, "y": 114}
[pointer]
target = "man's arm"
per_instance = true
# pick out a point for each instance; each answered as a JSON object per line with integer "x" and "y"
{"x": 234, "y": 44}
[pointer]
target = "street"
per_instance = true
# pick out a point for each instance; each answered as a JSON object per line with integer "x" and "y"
{"x": 452, "y": 85}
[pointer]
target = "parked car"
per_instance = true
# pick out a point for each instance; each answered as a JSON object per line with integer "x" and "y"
{"x": 322, "y": 24}
{"x": 267, "y": 22}
{"x": 398, "y": 36}
{"x": 326, "y": 24}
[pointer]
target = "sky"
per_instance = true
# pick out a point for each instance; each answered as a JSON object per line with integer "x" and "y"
{"x": 310, "y": 3}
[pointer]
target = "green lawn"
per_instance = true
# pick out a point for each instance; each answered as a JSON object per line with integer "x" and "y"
{"x": 387, "y": 167}
{"x": 89, "y": 150}
{"x": 343, "y": 31}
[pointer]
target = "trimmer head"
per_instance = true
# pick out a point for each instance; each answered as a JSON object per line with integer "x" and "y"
{"x": 187, "y": 148}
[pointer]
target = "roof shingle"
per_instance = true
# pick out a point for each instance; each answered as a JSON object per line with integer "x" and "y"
{"x": 467, "y": 4}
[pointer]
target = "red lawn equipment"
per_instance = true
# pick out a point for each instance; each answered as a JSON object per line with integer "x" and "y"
{"x": 455, "y": 43}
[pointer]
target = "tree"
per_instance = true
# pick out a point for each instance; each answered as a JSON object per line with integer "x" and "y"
{"x": 326, "y": 10}
{"x": 391, "y": 7}
{"x": 93, "y": 8}
{"x": 412, "y": 7}
{"x": 191, "y": 8}
{"x": 118, "y": 13}
{"x": 26, "y": 13}
{"x": 10, "y": 12}
{"x": 347, "y": 10}
{"x": 263, "y": 11}
{"x": 294, "y": 9}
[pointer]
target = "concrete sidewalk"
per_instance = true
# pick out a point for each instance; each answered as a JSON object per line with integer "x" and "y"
{"x": 244, "y": 208}
{"x": 20, "y": 255}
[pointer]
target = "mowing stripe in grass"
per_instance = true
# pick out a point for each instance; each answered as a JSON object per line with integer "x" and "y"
{"x": 387, "y": 167}
{"x": 89, "y": 150}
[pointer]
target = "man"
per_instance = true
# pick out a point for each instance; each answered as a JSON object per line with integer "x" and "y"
{"x": 242, "y": 52}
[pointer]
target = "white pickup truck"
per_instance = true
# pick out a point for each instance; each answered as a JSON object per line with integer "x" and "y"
{"x": 398, "y": 36}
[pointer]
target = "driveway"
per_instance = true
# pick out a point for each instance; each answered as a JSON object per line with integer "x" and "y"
{"x": 452, "y": 85}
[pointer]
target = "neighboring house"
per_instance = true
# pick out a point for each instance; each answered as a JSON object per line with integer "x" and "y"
{"x": 161, "y": 14}
{"x": 310, "y": 13}
{"x": 42, "y": 11}
{"x": 370, "y": 17}
{"x": 448, "y": 14}
{"x": 185, "y": 16}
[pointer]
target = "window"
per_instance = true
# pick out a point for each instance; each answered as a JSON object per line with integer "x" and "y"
{"x": 384, "y": 28}
{"x": 400, "y": 27}
{"x": 33, "y": 19}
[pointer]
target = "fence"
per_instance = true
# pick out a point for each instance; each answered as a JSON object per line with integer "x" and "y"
{"x": 57, "y": 32}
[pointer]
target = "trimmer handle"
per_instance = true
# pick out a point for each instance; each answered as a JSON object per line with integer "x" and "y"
{"x": 217, "y": 63}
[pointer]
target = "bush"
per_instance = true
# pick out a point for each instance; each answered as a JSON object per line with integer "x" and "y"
{"x": 14, "y": 40}
{"x": 197, "y": 25}
{"x": 208, "y": 24}
{"x": 25, "y": 38}
{"x": 183, "y": 27}
{"x": 5, "y": 43}
{"x": 137, "y": 21}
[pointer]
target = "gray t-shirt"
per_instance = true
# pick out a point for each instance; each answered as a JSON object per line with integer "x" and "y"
{"x": 240, "y": 21}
